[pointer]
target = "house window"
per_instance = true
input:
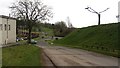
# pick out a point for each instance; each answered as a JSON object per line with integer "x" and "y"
{"x": 9, "y": 27}
{"x": 1, "y": 26}
{"x": 5, "y": 27}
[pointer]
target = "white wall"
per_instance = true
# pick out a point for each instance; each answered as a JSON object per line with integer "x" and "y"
{"x": 0, "y": 32}
{"x": 119, "y": 11}
{"x": 4, "y": 32}
{"x": 11, "y": 33}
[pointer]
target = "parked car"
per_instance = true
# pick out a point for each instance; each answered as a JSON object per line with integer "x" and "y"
{"x": 33, "y": 41}
{"x": 17, "y": 39}
{"x": 25, "y": 38}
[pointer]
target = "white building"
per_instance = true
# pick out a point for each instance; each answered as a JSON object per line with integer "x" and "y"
{"x": 119, "y": 11}
{"x": 7, "y": 30}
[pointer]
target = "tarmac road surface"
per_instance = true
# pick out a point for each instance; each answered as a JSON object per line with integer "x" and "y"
{"x": 63, "y": 56}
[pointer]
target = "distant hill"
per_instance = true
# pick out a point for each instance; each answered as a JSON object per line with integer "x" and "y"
{"x": 103, "y": 37}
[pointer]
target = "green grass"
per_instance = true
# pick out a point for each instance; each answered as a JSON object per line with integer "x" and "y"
{"x": 37, "y": 39}
{"x": 102, "y": 39}
{"x": 48, "y": 31}
{"x": 22, "y": 41}
{"x": 22, "y": 55}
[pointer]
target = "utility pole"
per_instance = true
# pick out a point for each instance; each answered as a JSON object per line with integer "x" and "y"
{"x": 98, "y": 13}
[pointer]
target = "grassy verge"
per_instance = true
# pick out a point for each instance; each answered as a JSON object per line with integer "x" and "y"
{"x": 22, "y": 55}
{"x": 37, "y": 39}
{"x": 49, "y": 41}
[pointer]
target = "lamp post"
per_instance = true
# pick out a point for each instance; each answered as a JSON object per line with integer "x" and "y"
{"x": 98, "y": 13}
{"x": 7, "y": 26}
{"x": 118, "y": 17}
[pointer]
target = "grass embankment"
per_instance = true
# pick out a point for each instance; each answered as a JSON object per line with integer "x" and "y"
{"x": 21, "y": 55}
{"x": 102, "y": 39}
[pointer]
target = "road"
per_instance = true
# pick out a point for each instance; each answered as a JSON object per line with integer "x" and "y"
{"x": 63, "y": 56}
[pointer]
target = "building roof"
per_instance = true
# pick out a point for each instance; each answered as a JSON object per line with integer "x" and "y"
{"x": 7, "y": 17}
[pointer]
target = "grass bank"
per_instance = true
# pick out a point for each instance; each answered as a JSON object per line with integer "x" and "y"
{"x": 102, "y": 39}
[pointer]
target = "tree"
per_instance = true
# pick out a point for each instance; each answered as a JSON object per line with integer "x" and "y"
{"x": 31, "y": 12}
{"x": 60, "y": 28}
{"x": 69, "y": 23}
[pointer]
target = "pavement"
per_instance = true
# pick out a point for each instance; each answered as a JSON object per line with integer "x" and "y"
{"x": 8, "y": 45}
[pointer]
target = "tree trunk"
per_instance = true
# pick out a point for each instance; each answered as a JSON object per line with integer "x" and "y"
{"x": 29, "y": 33}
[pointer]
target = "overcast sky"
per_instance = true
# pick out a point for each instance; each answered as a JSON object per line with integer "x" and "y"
{"x": 75, "y": 10}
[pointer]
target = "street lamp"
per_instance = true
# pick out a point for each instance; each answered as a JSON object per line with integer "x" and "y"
{"x": 98, "y": 13}
{"x": 7, "y": 29}
{"x": 118, "y": 16}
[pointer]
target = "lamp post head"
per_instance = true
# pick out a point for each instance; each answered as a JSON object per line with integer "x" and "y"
{"x": 87, "y": 8}
{"x": 117, "y": 16}
{"x": 107, "y": 8}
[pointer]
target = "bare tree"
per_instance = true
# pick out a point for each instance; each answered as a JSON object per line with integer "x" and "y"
{"x": 69, "y": 23}
{"x": 30, "y": 12}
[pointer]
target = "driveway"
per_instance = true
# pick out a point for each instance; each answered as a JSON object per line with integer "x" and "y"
{"x": 63, "y": 56}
